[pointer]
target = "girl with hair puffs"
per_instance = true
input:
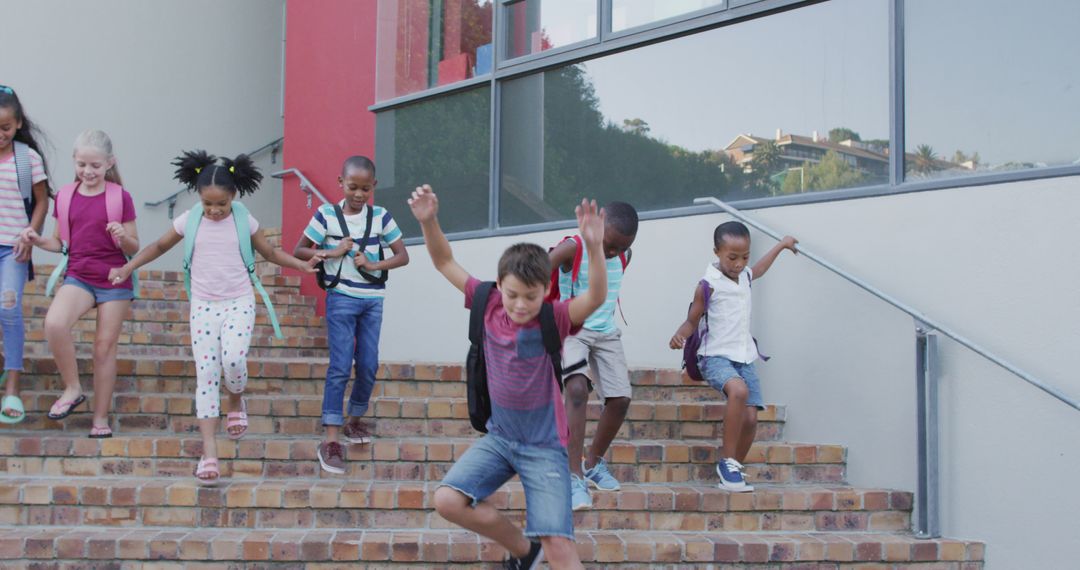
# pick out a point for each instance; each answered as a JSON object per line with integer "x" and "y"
{"x": 222, "y": 300}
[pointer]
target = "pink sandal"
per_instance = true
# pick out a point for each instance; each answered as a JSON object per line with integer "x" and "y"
{"x": 207, "y": 471}
{"x": 237, "y": 419}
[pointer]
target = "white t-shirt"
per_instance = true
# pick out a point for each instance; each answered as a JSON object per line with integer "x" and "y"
{"x": 729, "y": 317}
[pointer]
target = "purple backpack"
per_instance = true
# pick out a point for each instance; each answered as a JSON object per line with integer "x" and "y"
{"x": 694, "y": 342}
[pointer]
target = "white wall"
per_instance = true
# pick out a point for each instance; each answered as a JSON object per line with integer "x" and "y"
{"x": 994, "y": 262}
{"x": 157, "y": 76}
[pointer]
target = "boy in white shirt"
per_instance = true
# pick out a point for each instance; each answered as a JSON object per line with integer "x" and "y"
{"x": 728, "y": 351}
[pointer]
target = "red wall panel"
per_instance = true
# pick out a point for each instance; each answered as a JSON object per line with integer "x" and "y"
{"x": 329, "y": 84}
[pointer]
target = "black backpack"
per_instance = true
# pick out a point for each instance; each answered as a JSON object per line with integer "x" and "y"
{"x": 475, "y": 366}
{"x": 323, "y": 275}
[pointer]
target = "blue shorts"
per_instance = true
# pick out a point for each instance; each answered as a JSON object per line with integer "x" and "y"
{"x": 718, "y": 370}
{"x": 544, "y": 473}
{"x": 101, "y": 294}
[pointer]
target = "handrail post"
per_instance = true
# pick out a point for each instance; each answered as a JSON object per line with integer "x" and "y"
{"x": 927, "y": 499}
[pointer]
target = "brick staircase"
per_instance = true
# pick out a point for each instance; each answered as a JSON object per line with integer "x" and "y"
{"x": 67, "y": 501}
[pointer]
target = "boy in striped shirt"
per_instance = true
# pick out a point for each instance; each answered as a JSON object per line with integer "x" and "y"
{"x": 354, "y": 299}
{"x": 594, "y": 356}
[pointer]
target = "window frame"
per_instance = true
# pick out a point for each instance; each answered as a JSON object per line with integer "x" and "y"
{"x": 731, "y": 12}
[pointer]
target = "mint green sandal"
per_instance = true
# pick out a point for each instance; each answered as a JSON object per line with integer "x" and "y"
{"x": 12, "y": 403}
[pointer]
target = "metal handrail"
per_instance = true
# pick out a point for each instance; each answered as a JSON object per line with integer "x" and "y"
{"x": 305, "y": 184}
{"x": 273, "y": 146}
{"x": 919, "y": 316}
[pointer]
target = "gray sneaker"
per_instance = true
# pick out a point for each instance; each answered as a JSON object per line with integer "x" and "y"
{"x": 357, "y": 433}
{"x": 332, "y": 457}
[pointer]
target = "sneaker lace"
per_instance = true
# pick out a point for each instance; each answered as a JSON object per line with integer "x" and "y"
{"x": 334, "y": 449}
{"x": 733, "y": 466}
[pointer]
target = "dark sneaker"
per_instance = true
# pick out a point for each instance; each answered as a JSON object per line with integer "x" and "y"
{"x": 731, "y": 477}
{"x": 357, "y": 433}
{"x": 529, "y": 561}
{"x": 332, "y": 457}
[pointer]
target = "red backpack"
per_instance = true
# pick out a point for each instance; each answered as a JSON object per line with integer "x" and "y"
{"x": 575, "y": 269}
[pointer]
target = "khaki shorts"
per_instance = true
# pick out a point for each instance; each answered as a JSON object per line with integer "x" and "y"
{"x": 599, "y": 357}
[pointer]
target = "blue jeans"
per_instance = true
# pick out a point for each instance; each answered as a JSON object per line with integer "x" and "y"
{"x": 12, "y": 280}
{"x": 545, "y": 476}
{"x": 352, "y": 330}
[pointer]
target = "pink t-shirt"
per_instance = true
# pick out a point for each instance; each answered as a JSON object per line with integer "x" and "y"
{"x": 92, "y": 251}
{"x": 526, "y": 404}
{"x": 217, "y": 270}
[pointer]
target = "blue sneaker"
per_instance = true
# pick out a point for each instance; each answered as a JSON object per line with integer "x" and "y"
{"x": 579, "y": 494}
{"x": 599, "y": 477}
{"x": 731, "y": 478}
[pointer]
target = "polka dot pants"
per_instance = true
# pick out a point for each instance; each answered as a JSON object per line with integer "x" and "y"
{"x": 220, "y": 338}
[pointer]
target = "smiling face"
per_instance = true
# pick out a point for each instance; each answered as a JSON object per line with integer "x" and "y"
{"x": 358, "y": 184}
{"x": 521, "y": 301}
{"x": 733, "y": 254}
{"x": 216, "y": 202}
{"x": 9, "y": 125}
{"x": 91, "y": 164}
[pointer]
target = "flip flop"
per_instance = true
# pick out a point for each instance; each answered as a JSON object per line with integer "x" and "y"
{"x": 237, "y": 419}
{"x": 66, "y": 406}
{"x": 205, "y": 468}
{"x": 13, "y": 403}
{"x": 100, "y": 432}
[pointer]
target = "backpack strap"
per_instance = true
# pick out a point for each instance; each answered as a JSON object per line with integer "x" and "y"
{"x": 380, "y": 279}
{"x": 706, "y": 296}
{"x": 63, "y": 226}
{"x": 552, "y": 343}
{"x": 480, "y": 298}
{"x": 191, "y": 227}
{"x": 114, "y": 204}
{"x": 247, "y": 253}
{"x": 24, "y": 170}
{"x": 339, "y": 214}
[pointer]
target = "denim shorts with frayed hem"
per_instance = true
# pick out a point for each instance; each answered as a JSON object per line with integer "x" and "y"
{"x": 544, "y": 474}
{"x": 718, "y": 371}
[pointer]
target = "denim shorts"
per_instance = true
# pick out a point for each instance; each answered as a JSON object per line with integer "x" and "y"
{"x": 544, "y": 473}
{"x": 718, "y": 370}
{"x": 101, "y": 294}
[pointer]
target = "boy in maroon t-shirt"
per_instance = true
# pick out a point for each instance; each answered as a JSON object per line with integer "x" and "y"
{"x": 527, "y": 431}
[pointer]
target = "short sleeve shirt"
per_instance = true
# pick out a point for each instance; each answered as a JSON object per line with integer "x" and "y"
{"x": 325, "y": 232}
{"x": 12, "y": 209}
{"x": 217, "y": 269}
{"x": 92, "y": 251}
{"x": 526, "y": 403}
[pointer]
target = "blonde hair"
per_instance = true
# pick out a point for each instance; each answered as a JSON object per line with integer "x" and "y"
{"x": 99, "y": 141}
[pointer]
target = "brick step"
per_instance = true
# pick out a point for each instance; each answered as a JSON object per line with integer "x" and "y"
{"x": 134, "y": 412}
{"x": 133, "y": 501}
{"x": 598, "y": 549}
{"x": 306, "y": 375}
{"x": 157, "y": 280}
{"x": 394, "y": 459}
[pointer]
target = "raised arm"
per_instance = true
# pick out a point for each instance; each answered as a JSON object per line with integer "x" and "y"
{"x": 425, "y": 207}
{"x": 591, "y": 226}
{"x": 693, "y": 317}
{"x": 148, "y": 254}
{"x": 767, "y": 260}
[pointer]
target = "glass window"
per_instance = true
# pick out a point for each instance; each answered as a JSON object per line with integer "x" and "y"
{"x": 445, "y": 142}
{"x": 718, "y": 113}
{"x": 427, "y": 43}
{"x": 632, "y": 13}
{"x": 989, "y": 86}
{"x": 533, "y": 26}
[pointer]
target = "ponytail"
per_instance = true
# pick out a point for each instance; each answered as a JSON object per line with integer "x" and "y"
{"x": 198, "y": 169}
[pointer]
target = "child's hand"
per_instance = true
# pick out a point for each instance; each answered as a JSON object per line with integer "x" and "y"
{"x": 789, "y": 243}
{"x": 684, "y": 332}
{"x": 424, "y": 204}
{"x": 118, "y": 275}
{"x": 311, "y": 265}
{"x": 29, "y": 236}
{"x": 590, "y": 223}
{"x": 116, "y": 229}
{"x": 342, "y": 248}
{"x": 362, "y": 262}
{"x": 22, "y": 251}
